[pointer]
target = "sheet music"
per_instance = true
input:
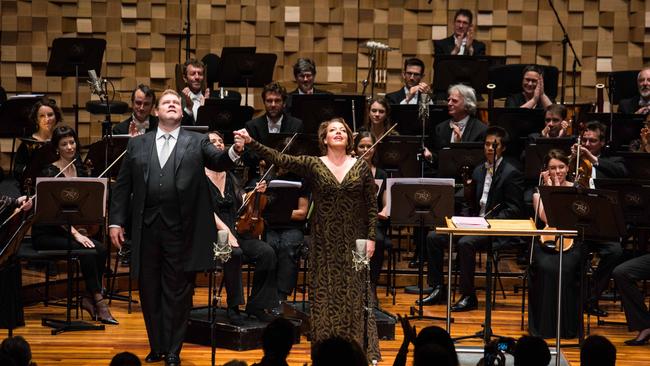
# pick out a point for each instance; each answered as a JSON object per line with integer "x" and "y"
{"x": 279, "y": 183}
{"x": 430, "y": 181}
{"x": 476, "y": 222}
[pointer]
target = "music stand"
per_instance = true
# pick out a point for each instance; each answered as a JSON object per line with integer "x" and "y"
{"x": 224, "y": 117}
{"x": 406, "y": 117}
{"x": 520, "y": 123}
{"x": 622, "y": 128}
{"x": 285, "y": 200}
{"x": 459, "y": 157}
{"x": 468, "y": 70}
{"x": 421, "y": 202}
{"x": 595, "y": 213}
{"x": 98, "y": 158}
{"x": 398, "y": 156}
{"x": 303, "y": 144}
{"x": 67, "y": 202}
{"x": 74, "y": 57}
{"x": 637, "y": 164}
{"x": 43, "y": 155}
{"x": 14, "y": 114}
{"x": 313, "y": 109}
{"x": 536, "y": 151}
{"x": 245, "y": 69}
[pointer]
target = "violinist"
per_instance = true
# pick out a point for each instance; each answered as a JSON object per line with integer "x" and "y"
{"x": 593, "y": 140}
{"x": 23, "y": 203}
{"x": 378, "y": 121}
{"x": 143, "y": 99}
{"x": 543, "y": 269}
{"x": 226, "y": 196}
{"x": 47, "y": 237}
{"x": 602, "y": 166}
{"x": 363, "y": 143}
{"x": 45, "y": 115}
{"x": 639, "y": 104}
{"x": 642, "y": 144}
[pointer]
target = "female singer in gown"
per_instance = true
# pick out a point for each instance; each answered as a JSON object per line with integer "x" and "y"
{"x": 48, "y": 237}
{"x": 362, "y": 143}
{"x": 345, "y": 209}
{"x": 543, "y": 271}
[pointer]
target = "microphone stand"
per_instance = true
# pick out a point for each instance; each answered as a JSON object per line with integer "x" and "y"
{"x": 576, "y": 61}
{"x": 371, "y": 74}
{"x": 187, "y": 32}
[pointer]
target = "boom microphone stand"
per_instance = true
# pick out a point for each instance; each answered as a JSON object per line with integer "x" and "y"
{"x": 576, "y": 61}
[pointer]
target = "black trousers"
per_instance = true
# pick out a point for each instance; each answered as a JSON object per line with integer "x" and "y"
{"x": 610, "y": 254}
{"x": 626, "y": 275}
{"x": 165, "y": 288}
{"x": 286, "y": 243}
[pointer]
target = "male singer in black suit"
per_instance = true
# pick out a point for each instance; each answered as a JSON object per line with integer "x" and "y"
{"x": 173, "y": 228}
{"x": 413, "y": 85}
{"x": 593, "y": 140}
{"x": 639, "y": 104}
{"x": 143, "y": 99}
{"x": 462, "y": 42}
{"x": 462, "y": 126}
{"x": 499, "y": 195}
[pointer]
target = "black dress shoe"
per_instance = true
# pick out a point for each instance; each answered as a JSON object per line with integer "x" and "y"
{"x": 637, "y": 341}
{"x": 172, "y": 360}
{"x": 234, "y": 317}
{"x": 437, "y": 296}
{"x": 261, "y": 315}
{"x": 154, "y": 357}
{"x": 593, "y": 309}
{"x": 466, "y": 303}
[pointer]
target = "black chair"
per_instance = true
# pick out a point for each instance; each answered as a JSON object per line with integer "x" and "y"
{"x": 507, "y": 79}
{"x": 623, "y": 85}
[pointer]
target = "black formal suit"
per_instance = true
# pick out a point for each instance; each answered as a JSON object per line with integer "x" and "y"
{"x": 610, "y": 167}
{"x": 629, "y": 105}
{"x": 122, "y": 128}
{"x": 474, "y": 132}
{"x": 396, "y": 97}
{"x": 626, "y": 276}
{"x": 258, "y": 127}
{"x": 506, "y": 189}
{"x": 173, "y": 227}
{"x": 446, "y": 45}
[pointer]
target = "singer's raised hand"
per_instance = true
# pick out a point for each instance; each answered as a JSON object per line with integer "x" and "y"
{"x": 243, "y": 135}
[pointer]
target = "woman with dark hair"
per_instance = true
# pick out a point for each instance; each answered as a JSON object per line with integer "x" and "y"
{"x": 345, "y": 202}
{"x": 532, "y": 95}
{"x": 378, "y": 121}
{"x": 543, "y": 271}
{"x": 47, "y": 237}
{"x": 362, "y": 145}
{"x": 45, "y": 115}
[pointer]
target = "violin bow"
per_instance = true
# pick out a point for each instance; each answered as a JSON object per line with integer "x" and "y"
{"x": 379, "y": 140}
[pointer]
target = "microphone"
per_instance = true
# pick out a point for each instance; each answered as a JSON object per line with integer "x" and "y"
{"x": 360, "y": 258}
{"x": 222, "y": 250}
{"x": 96, "y": 84}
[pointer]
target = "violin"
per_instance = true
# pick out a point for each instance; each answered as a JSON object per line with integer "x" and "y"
{"x": 552, "y": 242}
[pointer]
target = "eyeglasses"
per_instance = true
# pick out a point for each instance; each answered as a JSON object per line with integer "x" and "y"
{"x": 413, "y": 74}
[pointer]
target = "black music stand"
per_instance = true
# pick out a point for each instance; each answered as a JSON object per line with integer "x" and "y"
{"x": 621, "y": 128}
{"x": 43, "y": 155}
{"x": 595, "y": 213}
{"x": 406, "y": 117}
{"x": 224, "y": 117}
{"x": 245, "y": 69}
{"x": 74, "y": 57}
{"x": 313, "y": 109}
{"x": 520, "y": 123}
{"x": 284, "y": 201}
{"x": 536, "y": 151}
{"x": 67, "y": 202}
{"x": 637, "y": 164}
{"x": 14, "y": 114}
{"x": 398, "y": 156}
{"x": 421, "y": 202}
{"x": 458, "y": 158}
{"x": 468, "y": 70}
{"x": 97, "y": 156}
{"x": 303, "y": 144}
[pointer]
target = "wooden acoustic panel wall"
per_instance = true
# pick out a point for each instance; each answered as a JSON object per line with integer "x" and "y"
{"x": 143, "y": 38}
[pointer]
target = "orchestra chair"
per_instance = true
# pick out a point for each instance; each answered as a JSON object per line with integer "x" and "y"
{"x": 622, "y": 85}
{"x": 506, "y": 84}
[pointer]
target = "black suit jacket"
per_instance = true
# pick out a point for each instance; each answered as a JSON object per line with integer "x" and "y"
{"x": 611, "y": 167}
{"x": 446, "y": 45}
{"x": 122, "y": 128}
{"x": 507, "y": 189}
{"x": 193, "y": 153}
{"x": 396, "y": 97}
{"x": 258, "y": 127}
{"x": 629, "y": 105}
{"x": 474, "y": 132}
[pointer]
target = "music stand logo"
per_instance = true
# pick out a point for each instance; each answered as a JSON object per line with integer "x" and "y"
{"x": 69, "y": 195}
{"x": 580, "y": 208}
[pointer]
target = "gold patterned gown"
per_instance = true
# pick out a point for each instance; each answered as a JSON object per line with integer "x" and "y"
{"x": 343, "y": 212}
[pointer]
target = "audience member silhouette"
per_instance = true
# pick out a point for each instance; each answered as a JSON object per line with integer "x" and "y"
{"x": 277, "y": 340}
{"x": 597, "y": 350}
{"x": 125, "y": 359}
{"x": 532, "y": 351}
{"x": 18, "y": 350}
{"x": 337, "y": 351}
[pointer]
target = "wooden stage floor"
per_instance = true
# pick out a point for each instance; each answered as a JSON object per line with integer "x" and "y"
{"x": 97, "y": 347}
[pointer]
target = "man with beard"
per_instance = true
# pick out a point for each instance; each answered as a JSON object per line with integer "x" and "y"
{"x": 143, "y": 98}
{"x": 413, "y": 84}
{"x": 641, "y": 103}
{"x": 462, "y": 42}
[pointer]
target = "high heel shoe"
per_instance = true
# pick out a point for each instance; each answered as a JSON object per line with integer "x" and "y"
{"x": 638, "y": 342}
{"x": 104, "y": 313}
{"x": 88, "y": 305}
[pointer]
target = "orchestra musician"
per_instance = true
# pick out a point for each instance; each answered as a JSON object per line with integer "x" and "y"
{"x": 6, "y": 202}
{"x": 48, "y": 237}
{"x": 533, "y": 95}
{"x": 162, "y": 177}
{"x": 345, "y": 209}
{"x": 543, "y": 270}
{"x": 639, "y": 104}
{"x": 193, "y": 94}
{"x": 593, "y": 140}
{"x": 378, "y": 121}
{"x": 462, "y": 41}
{"x": 304, "y": 73}
{"x": 226, "y": 196}
{"x": 413, "y": 84}
{"x": 362, "y": 145}
{"x": 141, "y": 121}
{"x": 626, "y": 276}
{"x": 499, "y": 193}
{"x": 642, "y": 144}
{"x": 45, "y": 115}
{"x": 555, "y": 121}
